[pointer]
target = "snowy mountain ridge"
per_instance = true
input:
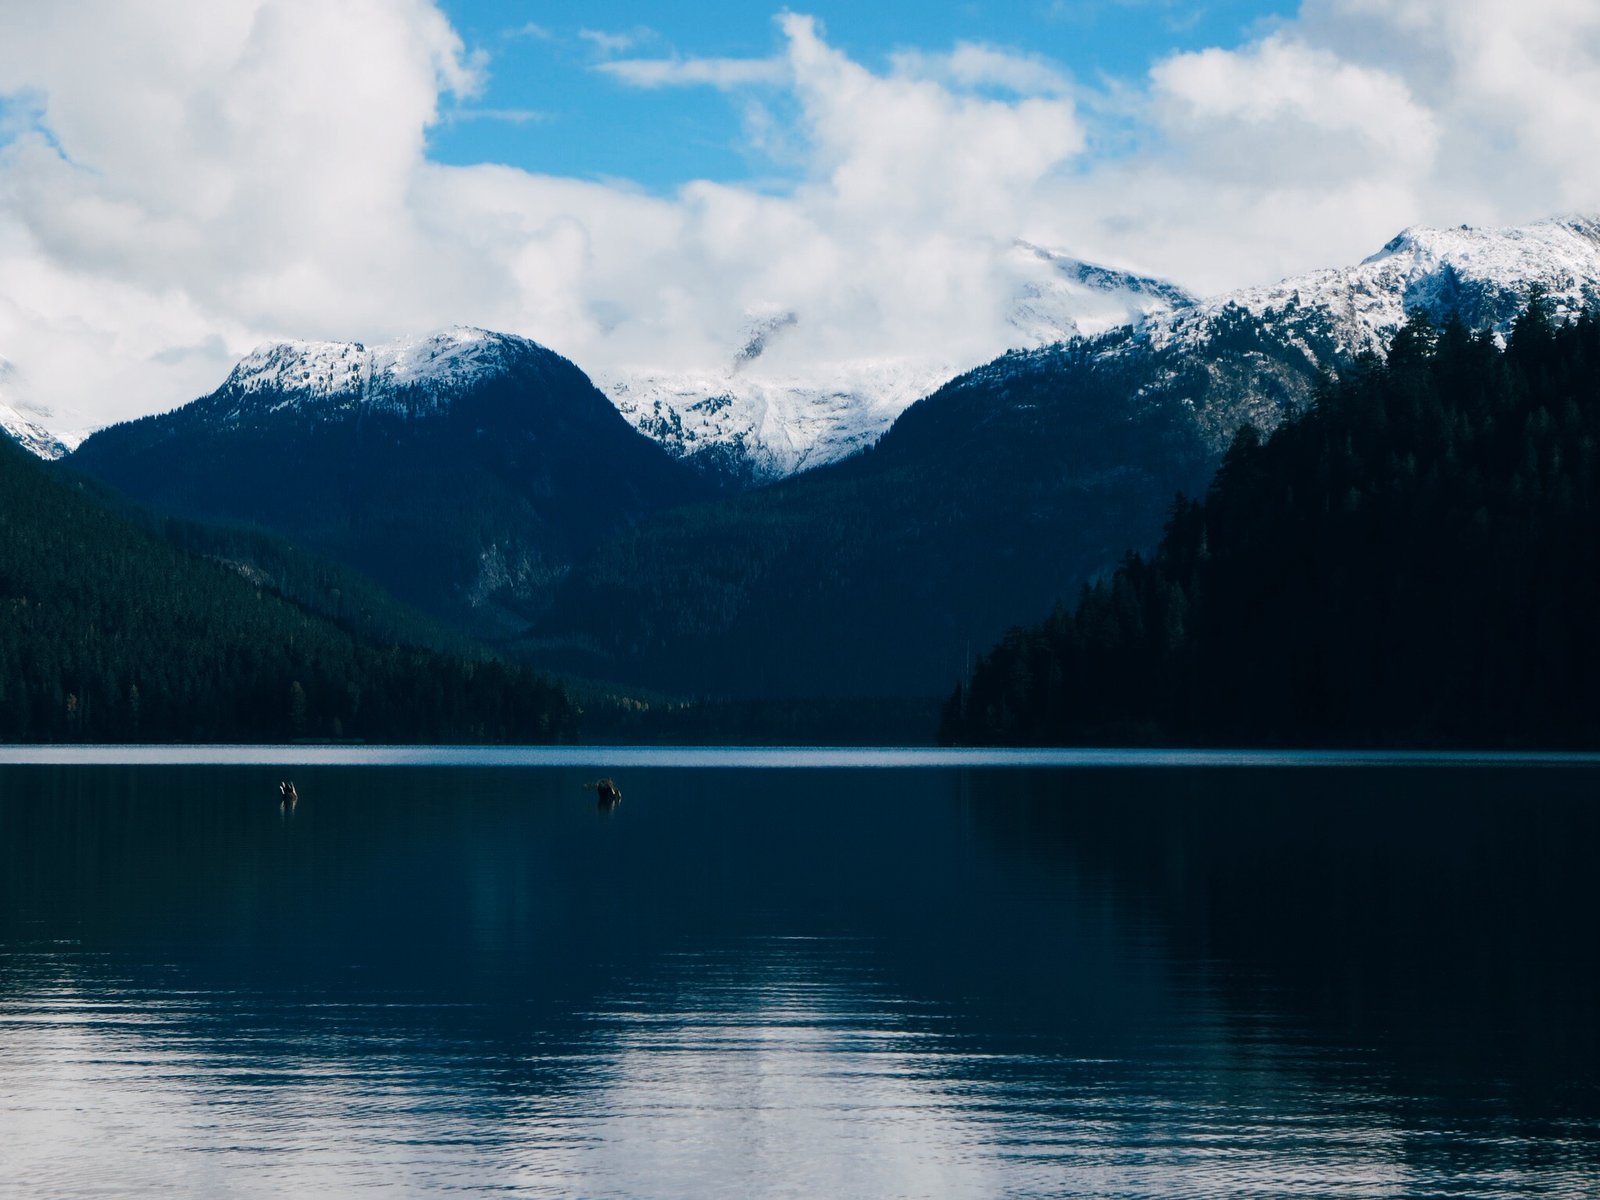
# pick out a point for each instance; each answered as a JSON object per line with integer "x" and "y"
{"x": 412, "y": 376}
{"x": 34, "y": 437}
{"x": 767, "y": 424}
{"x": 1482, "y": 276}
{"x": 27, "y": 432}
{"x": 757, "y": 422}
{"x": 1254, "y": 354}
{"x": 763, "y": 414}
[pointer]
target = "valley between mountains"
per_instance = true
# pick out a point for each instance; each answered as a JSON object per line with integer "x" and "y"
{"x": 843, "y": 537}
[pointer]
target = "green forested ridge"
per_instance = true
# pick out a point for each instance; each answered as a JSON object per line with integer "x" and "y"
{"x": 113, "y": 634}
{"x": 1415, "y": 560}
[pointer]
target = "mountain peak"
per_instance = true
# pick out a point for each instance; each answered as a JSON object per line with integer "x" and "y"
{"x": 34, "y": 437}
{"x": 1480, "y": 276}
{"x": 764, "y": 414}
{"x": 23, "y": 429}
{"x": 413, "y": 375}
{"x": 1556, "y": 245}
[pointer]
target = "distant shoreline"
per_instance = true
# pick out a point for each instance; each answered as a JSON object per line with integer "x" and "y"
{"x": 770, "y": 757}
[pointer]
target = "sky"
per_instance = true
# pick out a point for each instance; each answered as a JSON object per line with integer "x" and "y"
{"x": 633, "y": 184}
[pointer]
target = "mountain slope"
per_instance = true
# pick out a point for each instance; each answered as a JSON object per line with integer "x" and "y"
{"x": 760, "y": 416}
{"x": 112, "y": 634}
{"x": 1004, "y": 491}
{"x": 986, "y": 501}
{"x": 1413, "y": 562}
{"x": 31, "y": 436}
{"x": 1482, "y": 277}
{"x": 465, "y": 471}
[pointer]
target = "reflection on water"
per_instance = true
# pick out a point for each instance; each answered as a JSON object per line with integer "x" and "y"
{"x": 931, "y": 982}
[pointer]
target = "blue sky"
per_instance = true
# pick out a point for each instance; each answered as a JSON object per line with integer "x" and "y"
{"x": 547, "y": 107}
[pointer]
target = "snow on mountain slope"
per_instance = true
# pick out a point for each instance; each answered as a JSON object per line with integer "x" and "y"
{"x": 1482, "y": 276}
{"x": 751, "y": 420}
{"x": 23, "y": 429}
{"x": 1058, "y": 297}
{"x": 1253, "y": 354}
{"x": 35, "y": 438}
{"x": 411, "y": 375}
{"x": 755, "y": 426}
{"x": 765, "y": 411}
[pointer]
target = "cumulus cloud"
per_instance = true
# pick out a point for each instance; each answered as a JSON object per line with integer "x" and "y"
{"x": 1315, "y": 143}
{"x": 259, "y": 180}
{"x": 180, "y": 181}
{"x": 206, "y": 173}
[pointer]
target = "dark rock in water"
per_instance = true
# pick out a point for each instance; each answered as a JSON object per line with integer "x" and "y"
{"x": 607, "y": 793}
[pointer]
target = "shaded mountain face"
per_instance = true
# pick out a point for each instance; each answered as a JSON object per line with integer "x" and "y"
{"x": 987, "y": 501}
{"x": 466, "y": 471}
{"x": 1000, "y": 494}
{"x": 472, "y": 471}
{"x": 113, "y": 633}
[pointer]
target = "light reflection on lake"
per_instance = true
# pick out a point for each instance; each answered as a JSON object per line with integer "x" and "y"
{"x": 953, "y": 980}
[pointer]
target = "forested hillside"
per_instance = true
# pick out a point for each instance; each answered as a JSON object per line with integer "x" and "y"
{"x": 873, "y": 577}
{"x": 1413, "y": 561}
{"x": 112, "y": 634}
{"x": 466, "y": 484}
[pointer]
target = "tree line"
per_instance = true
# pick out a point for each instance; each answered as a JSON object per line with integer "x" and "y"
{"x": 1413, "y": 560}
{"x": 111, "y": 633}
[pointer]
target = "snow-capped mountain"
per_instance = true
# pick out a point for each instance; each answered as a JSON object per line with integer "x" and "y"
{"x": 465, "y": 470}
{"x": 23, "y": 429}
{"x": 747, "y": 425}
{"x": 1006, "y": 488}
{"x": 752, "y": 421}
{"x": 757, "y": 415}
{"x": 758, "y": 424}
{"x": 411, "y": 377}
{"x": 33, "y": 437}
{"x": 1057, "y": 297}
{"x": 1481, "y": 276}
{"x": 1252, "y": 354}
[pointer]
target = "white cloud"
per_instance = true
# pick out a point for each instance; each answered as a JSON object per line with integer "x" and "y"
{"x": 1285, "y": 94}
{"x": 710, "y": 72}
{"x": 532, "y": 30}
{"x": 974, "y": 65}
{"x": 509, "y": 116}
{"x": 1314, "y": 144}
{"x": 181, "y": 180}
{"x": 607, "y": 42}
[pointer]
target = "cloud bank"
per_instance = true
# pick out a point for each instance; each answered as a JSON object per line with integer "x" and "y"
{"x": 181, "y": 181}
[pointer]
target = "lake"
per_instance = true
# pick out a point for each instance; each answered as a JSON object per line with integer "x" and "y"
{"x": 782, "y": 973}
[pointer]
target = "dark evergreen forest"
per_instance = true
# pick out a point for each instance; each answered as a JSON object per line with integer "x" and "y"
{"x": 871, "y": 577}
{"x": 114, "y": 634}
{"x": 1414, "y": 560}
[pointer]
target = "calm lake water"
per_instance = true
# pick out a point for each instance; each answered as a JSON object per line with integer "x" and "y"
{"x": 788, "y": 975}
